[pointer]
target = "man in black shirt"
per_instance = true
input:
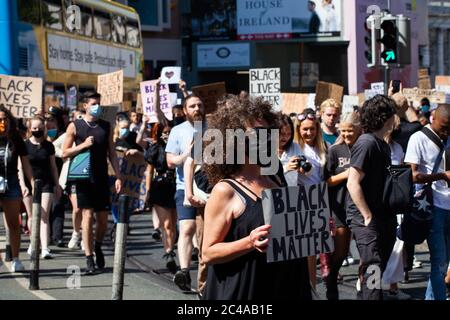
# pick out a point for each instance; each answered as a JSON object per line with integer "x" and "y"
{"x": 314, "y": 23}
{"x": 373, "y": 228}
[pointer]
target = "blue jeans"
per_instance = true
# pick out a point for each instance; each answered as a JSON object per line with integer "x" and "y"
{"x": 439, "y": 244}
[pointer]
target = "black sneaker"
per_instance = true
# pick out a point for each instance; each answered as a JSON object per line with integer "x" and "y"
{"x": 183, "y": 280}
{"x": 60, "y": 244}
{"x": 99, "y": 257}
{"x": 171, "y": 265}
{"x": 195, "y": 253}
{"x": 90, "y": 266}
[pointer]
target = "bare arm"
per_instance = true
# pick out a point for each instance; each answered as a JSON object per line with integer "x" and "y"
{"x": 338, "y": 179}
{"x": 419, "y": 177}
{"x": 141, "y": 133}
{"x": 27, "y": 171}
{"x": 189, "y": 169}
{"x": 69, "y": 150}
{"x": 355, "y": 177}
{"x": 218, "y": 218}
{"x": 114, "y": 162}
{"x": 174, "y": 161}
{"x": 183, "y": 88}
{"x": 55, "y": 176}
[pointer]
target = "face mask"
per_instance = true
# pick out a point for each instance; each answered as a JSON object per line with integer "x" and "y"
{"x": 425, "y": 109}
{"x": 124, "y": 132}
{"x": 38, "y": 134}
{"x": 52, "y": 133}
{"x": 178, "y": 120}
{"x": 96, "y": 111}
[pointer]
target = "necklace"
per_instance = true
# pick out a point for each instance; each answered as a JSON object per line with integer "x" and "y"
{"x": 91, "y": 126}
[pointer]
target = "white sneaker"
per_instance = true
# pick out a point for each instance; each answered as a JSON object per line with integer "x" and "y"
{"x": 29, "y": 251}
{"x": 399, "y": 295}
{"x": 46, "y": 254}
{"x": 350, "y": 260}
{"x": 82, "y": 245}
{"x": 417, "y": 264}
{"x": 74, "y": 242}
{"x": 17, "y": 266}
{"x": 358, "y": 285}
{"x": 345, "y": 263}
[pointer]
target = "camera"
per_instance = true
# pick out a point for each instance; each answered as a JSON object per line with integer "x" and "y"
{"x": 303, "y": 163}
{"x": 3, "y": 185}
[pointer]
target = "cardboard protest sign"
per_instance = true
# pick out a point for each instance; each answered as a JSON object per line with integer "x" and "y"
{"x": 443, "y": 84}
{"x": 294, "y": 102}
{"x": 110, "y": 86}
{"x": 209, "y": 94}
{"x": 349, "y": 103}
{"x": 171, "y": 75}
{"x": 300, "y": 220}
{"x": 266, "y": 83}
{"x": 21, "y": 95}
{"x": 133, "y": 170}
{"x": 148, "y": 97}
{"x": 377, "y": 87}
{"x": 424, "y": 83}
{"x": 326, "y": 90}
{"x": 414, "y": 95}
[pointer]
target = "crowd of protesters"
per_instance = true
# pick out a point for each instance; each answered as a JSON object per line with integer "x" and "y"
{"x": 212, "y": 212}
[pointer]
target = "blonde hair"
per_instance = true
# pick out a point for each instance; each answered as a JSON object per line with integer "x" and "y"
{"x": 319, "y": 144}
{"x": 330, "y": 103}
{"x": 352, "y": 119}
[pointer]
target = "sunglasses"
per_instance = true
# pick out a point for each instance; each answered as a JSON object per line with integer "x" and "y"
{"x": 305, "y": 116}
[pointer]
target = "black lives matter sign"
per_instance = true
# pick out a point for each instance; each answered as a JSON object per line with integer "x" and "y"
{"x": 21, "y": 95}
{"x": 300, "y": 220}
{"x": 266, "y": 83}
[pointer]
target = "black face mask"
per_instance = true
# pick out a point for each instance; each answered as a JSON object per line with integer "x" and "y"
{"x": 38, "y": 134}
{"x": 178, "y": 120}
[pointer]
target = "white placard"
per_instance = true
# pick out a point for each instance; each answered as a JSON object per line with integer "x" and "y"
{"x": 170, "y": 75}
{"x": 69, "y": 54}
{"x": 311, "y": 101}
{"x": 267, "y": 83}
{"x": 349, "y": 102}
{"x": 148, "y": 96}
{"x": 230, "y": 55}
{"x": 370, "y": 94}
{"x": 300, "y": 220}
{"x": 377, "y": 87}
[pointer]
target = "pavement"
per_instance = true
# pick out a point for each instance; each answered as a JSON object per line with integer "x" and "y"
{"x": 145, "y": 275}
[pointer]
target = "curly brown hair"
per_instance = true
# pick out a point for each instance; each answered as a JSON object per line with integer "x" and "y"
{"x": 235, "y": 115}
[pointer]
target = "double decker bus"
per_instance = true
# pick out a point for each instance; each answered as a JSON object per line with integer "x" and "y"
{"x": 68, "y": 58}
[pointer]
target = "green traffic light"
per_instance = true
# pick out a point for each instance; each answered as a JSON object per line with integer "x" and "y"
{"x": 390, "y": 56}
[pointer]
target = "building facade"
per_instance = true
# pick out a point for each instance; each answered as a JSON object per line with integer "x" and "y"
{"x": 439, "y": 28}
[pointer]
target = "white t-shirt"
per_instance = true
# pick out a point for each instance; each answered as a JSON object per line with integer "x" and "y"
{"x": 293, "y": 151}
{"x": 397, "y": 153}
{"x": 423, "y": 152}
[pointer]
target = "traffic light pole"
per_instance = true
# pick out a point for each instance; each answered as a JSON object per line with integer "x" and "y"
{"x": 387, "y": 69}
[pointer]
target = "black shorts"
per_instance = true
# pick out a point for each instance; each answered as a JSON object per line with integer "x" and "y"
{"x": 162, "y": 192}
{"x": 94, "y": 196}
{"x": 47, "y": 186}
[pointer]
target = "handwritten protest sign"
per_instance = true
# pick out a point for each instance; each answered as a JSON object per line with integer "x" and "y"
{"x": 267, "y": 83}
{"x": 326, "y": 90}
{"x": 443, "y": 84}
{"x": 171, "y": 75}
{"x": 377, "y": 87}
{"x": 148, "y": 96}
{"x": 110, "y": 86}
{"x": 210, "y": 93}
{"x": 300, "y": 220}
{"x": 369, "y": 94}
{"x": 349, "y": 103}
{"x": 133, "y": 171}
{"x": 21, "y": 95}
{"x": 414, "y": 95}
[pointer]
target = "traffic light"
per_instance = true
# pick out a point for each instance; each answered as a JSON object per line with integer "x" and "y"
{"x": 371, "y": 42}
{"x": 389, "y": 40}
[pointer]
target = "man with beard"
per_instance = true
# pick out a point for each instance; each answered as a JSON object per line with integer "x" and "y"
{"x": 178, "y": 149}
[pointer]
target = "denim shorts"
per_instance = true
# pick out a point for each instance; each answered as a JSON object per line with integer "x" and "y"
{"x": 184, "y": 213}
{"x": 13, "y": 191}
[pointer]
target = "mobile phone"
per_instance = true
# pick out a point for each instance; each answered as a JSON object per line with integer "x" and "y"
{"x": 396, "y": 86}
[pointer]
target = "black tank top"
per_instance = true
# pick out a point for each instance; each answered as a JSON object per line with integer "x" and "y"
{"x": 250, "y": 277}
{"x": 100, "y": 130}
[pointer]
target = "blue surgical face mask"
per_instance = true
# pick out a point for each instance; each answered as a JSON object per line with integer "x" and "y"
{"x": 96, "y": 111}
{"x": 52, "y": 133}
{"x": 425, "y": 109}
{"x": 124, "y": 132}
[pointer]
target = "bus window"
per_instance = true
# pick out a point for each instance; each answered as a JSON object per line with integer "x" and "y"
{"x": 72, "y": 97}
{"x": 119, "y": 33}
{"x": 55, "y": 95}
{"x": 102, "y": 26}
{"x": 29, "y": 11}
{"x": 86, "y": 19}
{"x": 133, "y": 34}
{"x": 51, "y": 14}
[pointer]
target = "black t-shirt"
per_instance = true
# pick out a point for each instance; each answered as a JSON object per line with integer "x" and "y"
{"x": 338, "y": 161}
{"x": 156, "y": 156}
{"x": 404, "y": 132}
{"x": 129, "y": 142}
{"x": 372, "y": 156}
{"x": 40, "y": 160}
{"x": 17, "y": 149}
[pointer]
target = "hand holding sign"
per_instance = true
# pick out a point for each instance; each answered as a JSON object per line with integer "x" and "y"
{"x": 259, "y": 238}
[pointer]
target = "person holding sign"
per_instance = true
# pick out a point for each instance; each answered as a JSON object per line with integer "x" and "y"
{"x": 337, "y": 169}
{"x": 11, "y": 148}
{"x": 93, "y": 135}
{"x": 374, "y": 228}
{"x": 235, "y": 236}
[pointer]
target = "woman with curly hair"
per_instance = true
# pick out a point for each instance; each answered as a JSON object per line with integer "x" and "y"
{"x": 374, "y": 228}
{"x": 235, "y": 235}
